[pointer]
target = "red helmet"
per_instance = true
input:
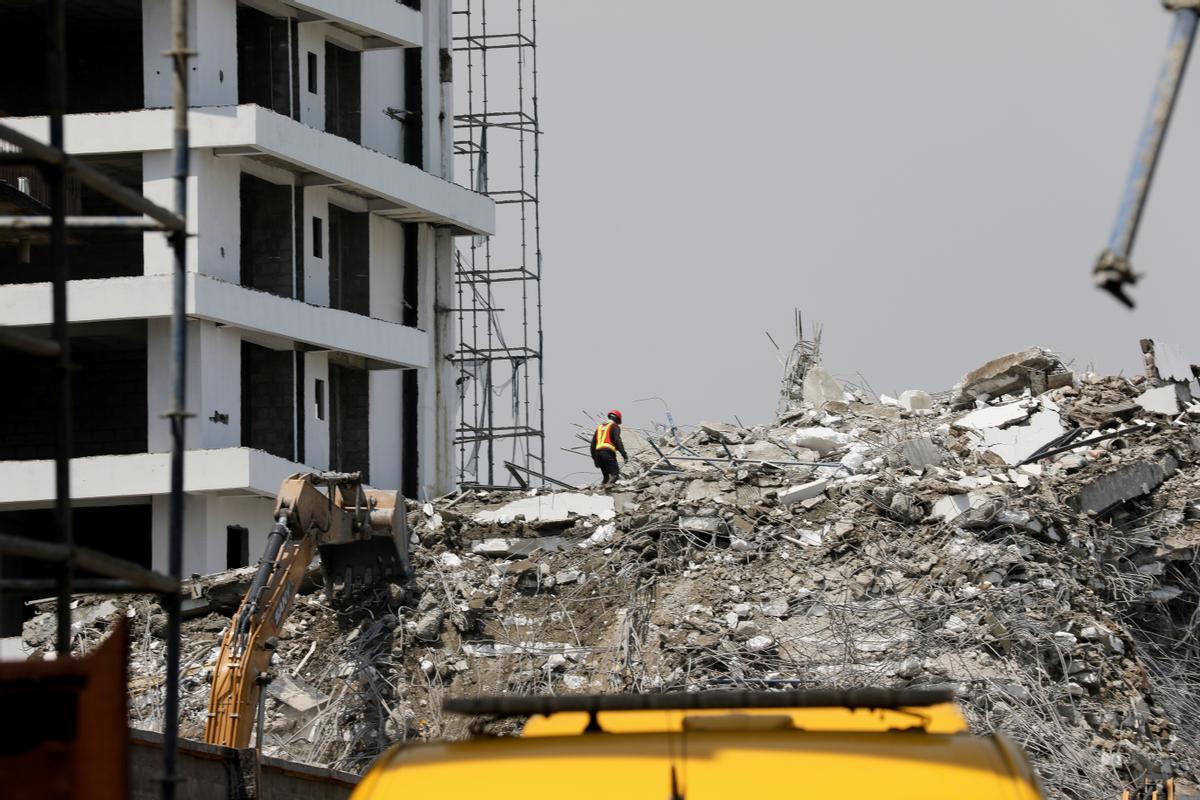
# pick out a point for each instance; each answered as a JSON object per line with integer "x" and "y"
{"x": 615, "y": 416}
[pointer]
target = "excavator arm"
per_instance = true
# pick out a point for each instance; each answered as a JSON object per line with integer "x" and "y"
{"x": 250, "y": 641}
{"x": 362, "y": 540}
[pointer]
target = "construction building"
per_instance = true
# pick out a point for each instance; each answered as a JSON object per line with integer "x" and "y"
{"x": 321, "y": 268}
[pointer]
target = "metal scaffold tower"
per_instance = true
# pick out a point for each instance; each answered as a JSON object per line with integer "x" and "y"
{"x": 499, "y": 290}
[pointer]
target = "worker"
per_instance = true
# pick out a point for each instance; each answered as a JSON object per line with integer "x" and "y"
{"x": 606, "y": 443}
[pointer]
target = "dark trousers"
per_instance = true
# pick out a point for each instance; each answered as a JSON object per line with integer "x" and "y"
{"x": 606, "y": 460}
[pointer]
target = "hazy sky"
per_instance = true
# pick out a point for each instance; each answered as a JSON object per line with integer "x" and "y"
{"x": 931, "y": 180}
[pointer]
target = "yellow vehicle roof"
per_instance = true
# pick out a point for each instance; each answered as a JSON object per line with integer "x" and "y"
{"x": 759, "y": 753}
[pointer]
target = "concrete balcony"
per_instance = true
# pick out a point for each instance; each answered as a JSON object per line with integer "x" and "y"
{"x": 380, "y": 23}
{"x": 258, "y": 313}
{"x": 231, "y": 471}
{"x": 392, "y": 188}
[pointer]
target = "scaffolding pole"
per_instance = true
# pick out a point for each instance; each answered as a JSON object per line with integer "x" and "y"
{"x": 57, "y": 165}
{"x": 499, "y": 293}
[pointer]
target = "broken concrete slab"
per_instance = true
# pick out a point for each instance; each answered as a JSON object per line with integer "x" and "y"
{"x": 1010, "y": 374}
{"x": 995, "y": 416}
{"x": 916, "y": 400}
{"x": 496, "y": 548}
{"x": 822, "y": 440}
{"x": 821, "y": 388}
{"x": 1167, "y": 400}
{"x": 762, "y": 451}
{"x": 1121, "y": 485}
{"x": 295, "y": 693}
{"x": 551, "y": 507}
{"x": 1166, "y": 361}
{"x": 709, "y": 525}
{"x": 1016, "y": 443}
{"x": 922, "y": 452}
{"x": 878, "y": 411}
{"x": 723, "y": 432}
{"x": 952, "y": 506}
{"x": 804, "y": 491}
{"x": 701, "y": 490}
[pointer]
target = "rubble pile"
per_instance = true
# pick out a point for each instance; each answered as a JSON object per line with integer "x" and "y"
{"x": 1029, "y": 539}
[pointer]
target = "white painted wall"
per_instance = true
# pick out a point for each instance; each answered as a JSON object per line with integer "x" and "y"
{"x": 316, "y": 270}
{"x": 159, "y": 390}
{"x": 158, "y": 185}
{"x": 316, "y": 431}
{"x": 205, "y": 519}
{"x": 382, "y": 86}
{"x": 195, "y": 533}
{"x": 213, "y": 384}
{"x": 252, "y": 513}
{"x": 220, "y": 387}
{"x": 218, "y": 210}
{"x": 386, "y": 257}
{"x": 214, "y": 70}
{"x": 212, "y": 33}
{"x": 311, "y": 38}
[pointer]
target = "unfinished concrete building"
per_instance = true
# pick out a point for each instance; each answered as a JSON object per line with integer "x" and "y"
{"x": 320, "y": 270}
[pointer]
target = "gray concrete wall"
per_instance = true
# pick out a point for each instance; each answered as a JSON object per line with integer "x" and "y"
{"x": 213, "y": 773}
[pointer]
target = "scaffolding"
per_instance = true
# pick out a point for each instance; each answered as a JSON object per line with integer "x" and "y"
{"x": 59, "y": 169}
{"x": 498, "y": 278}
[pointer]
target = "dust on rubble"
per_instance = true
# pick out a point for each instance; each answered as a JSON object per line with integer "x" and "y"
{"x": 911, "y": 542}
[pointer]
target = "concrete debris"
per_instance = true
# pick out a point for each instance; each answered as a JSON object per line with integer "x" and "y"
{"x": 803, "y": 491}
{"x": 922, "y": 452}
{"x": 295, "y": 693}
{"x": 1119, "y": 486}
{"x": 1166, "y": 400}
{"x": 1034, "y": 369}
{"x": 989, "y": 417}
{"x": 551, "y": 508}
{"x": 722, "y": 432}
{"x": 915, "y": 400}
{"x": 821, "y": 440}
{"x": 1060, "y": 599}
{"x": 763, "y": 451}
{"x": 1015, "y": 443}
{"x": 821, "y": 388}
{"x": 1166, "y": 362}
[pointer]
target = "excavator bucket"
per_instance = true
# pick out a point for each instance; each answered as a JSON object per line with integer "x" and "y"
{"x": 355, "y": 567}
{"x": 361, "y": 533}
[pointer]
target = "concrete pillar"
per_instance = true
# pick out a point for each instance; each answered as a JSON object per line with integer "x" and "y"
{"x": 386, "y": 428}
{"x": 438, "y": 397}
{"x": 446, "y": 93}
{"x": 431, "y": 84}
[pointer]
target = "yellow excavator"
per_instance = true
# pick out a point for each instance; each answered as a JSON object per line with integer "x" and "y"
{"x": 362, "y": 537}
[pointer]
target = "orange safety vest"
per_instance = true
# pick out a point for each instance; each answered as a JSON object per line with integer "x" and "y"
{"x": 604, "y": 437}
